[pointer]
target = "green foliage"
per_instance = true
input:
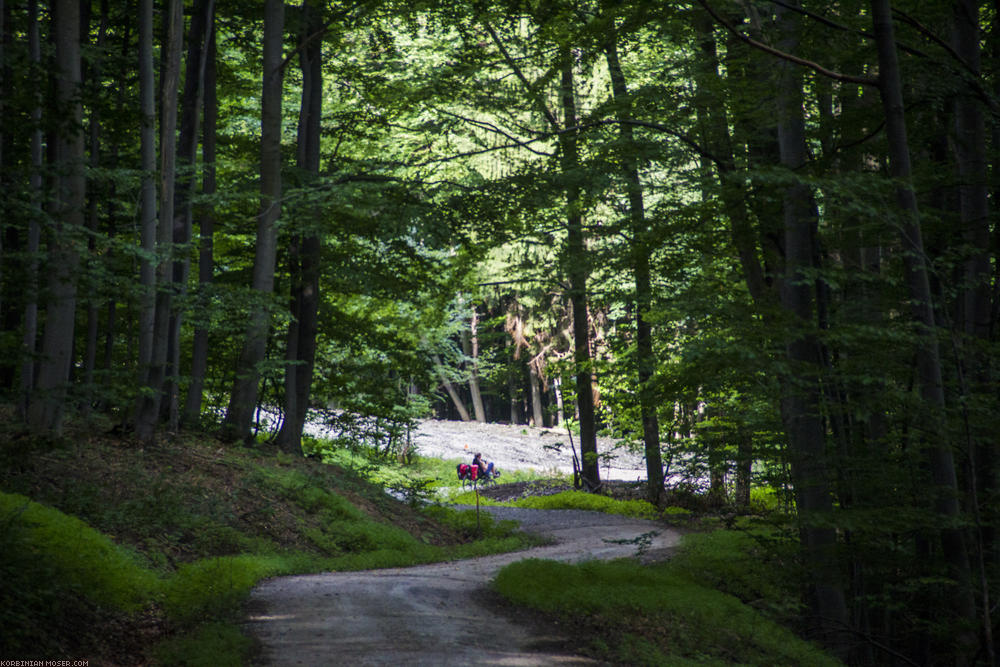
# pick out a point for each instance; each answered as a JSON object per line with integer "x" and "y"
{"x": 676, "y": 617}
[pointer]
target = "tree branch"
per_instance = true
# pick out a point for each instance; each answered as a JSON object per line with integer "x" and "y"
{"x": 816, "y": 67}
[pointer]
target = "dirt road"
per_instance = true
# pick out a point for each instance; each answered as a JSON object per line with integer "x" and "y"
{"x": 432, "y": 614}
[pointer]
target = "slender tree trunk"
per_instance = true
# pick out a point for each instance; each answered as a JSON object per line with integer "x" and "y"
{"x": 557, "y": 392}
{"x": 243, "y": 399}
{"x": 801, "y": 400}
{"x": 535, "y": 383}
{"x": 93, "y": 304}
{"x": 645, "y": 357}
{"x": 970, "y": 150}
{"x": 470, "y": 346}
{"x": 150, "y": 402}
{"x": 34, "y": 224}
{"x": 206, "y": 252}
{"x": 940, "y": 457}
{"x": 512, "y": 383}
{"x": 712, "y": 109}
{"x": 305, "y": 253}
{"x": 463, "y": 412}
{"x": 578, "y": 269}
{"x": 46, "y": 411}
{"x": 187, "y": 154}
{"x": 147, "y": 196}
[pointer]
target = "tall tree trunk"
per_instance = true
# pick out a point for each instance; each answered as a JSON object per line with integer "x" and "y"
{"x": 557, "y": 392}
{"x": 470, "y": 346}
{"x": 46, "y": 411}
{"x": 305, "y": 253}
{"x": 711, "y": 108}
{"x": 535, "y": 384}
{"x": 645, "y": 357}
{"x": 206, "y": 216}
{"x": 243, "y": 399}
{"x": 93, "y": 303}
{"x": 801, "y": 401}
{"x": 148, "y": 413}
{"x": 463, "y": 412}
{"x": 512, "y": 383}
{"x": 187, "y": 154}
{"x": 578, "y": 270}
{"x": 34, "y": 224}
{"x": 941, "y": 461}
{"x": 970, "y": 150}
{"x": 147, "y": 196}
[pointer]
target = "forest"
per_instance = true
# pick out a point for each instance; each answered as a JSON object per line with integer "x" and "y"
{"x": 756, "y": 241}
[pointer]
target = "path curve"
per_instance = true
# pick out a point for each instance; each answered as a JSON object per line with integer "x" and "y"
{"x": 427, "y": 615}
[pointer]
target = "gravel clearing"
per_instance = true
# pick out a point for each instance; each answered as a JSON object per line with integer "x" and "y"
{"x": 544, "y": 450}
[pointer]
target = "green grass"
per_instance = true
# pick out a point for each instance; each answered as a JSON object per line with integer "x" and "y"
{"x": 180, "y": 532}
{"x": 580, "y": 500}
{"x": 81, "y": 558}
{"x": 653, "y": 615}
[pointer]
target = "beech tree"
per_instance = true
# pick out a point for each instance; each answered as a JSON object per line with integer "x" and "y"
{"x": 49, "y": 397}
{"x": 243, "y": 399}
{"x": 753, "y": 241}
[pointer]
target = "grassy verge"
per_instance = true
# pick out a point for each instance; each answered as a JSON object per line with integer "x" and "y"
{"x": 717, "y": 602}
{"x": 580, "y": 500}
{"x": 128, "y": 554}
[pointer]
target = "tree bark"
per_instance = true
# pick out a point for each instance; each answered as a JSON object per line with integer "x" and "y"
{"x": 711, "y": 110}
{"x": 470, "y": 346}
{"x": 463, "y": 412}
{"x": 148, "y": 413}
{"x": 187, "y": 155}
{"x": 970, "y": 152}
{"x": 305, "y": 253}
{"x": 801, "y": 400}
{"x": 46, "y": 411}
{"x": 34, "y": 224}
{"x": 645, "y": 357}
{"x": 243, "y": 399}
{"x": 147, "y": 195}
{"x": 535, "y": 384}
{"x": 206, "y": 229}
{"x": 578, "y": 270}
{"x": 941, "y": 461}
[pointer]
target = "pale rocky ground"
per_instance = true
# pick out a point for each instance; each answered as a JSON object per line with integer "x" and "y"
{"x": 522, "y": 447}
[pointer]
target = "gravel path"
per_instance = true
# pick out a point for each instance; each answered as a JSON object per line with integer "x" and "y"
{"x": 433, "y": 614}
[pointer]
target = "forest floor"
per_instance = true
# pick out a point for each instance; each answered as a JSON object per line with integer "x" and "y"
{"x": 440, "y": 614}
